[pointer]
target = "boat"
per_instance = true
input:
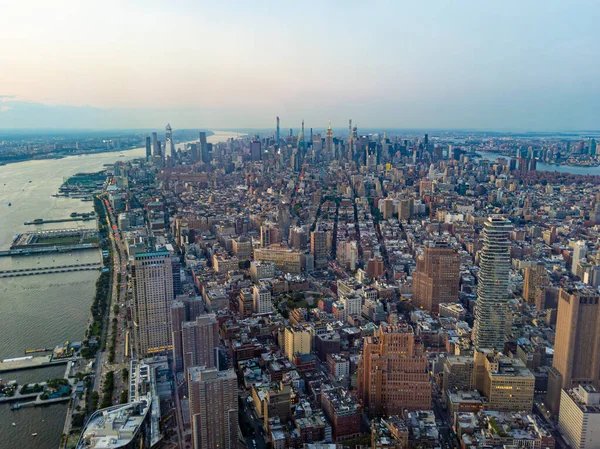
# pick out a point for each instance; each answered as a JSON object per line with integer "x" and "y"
{"x": 34, "y": 434}
{"x": 14, "y": 424}
{"x": 30, "y": 180}
{"x": 15, "y": 406}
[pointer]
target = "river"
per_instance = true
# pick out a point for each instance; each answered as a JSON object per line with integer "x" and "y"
{"x": 45, "y": 310}
{"x": 542, "y": 166}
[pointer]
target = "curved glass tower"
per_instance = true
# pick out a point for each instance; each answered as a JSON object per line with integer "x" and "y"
{"x": 492, "y": 287}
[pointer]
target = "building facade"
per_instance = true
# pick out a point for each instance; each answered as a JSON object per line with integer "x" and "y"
{"x": 436, "y": 278}
{"x": 491, "y": 310}
{"x": 152, "y": 294}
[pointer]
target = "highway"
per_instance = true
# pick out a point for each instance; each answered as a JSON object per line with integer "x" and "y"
{"x": 118, "y": 297}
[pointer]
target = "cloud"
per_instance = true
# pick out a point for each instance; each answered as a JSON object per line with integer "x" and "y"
{"x": 7, "y": 97}
{"x": 5, "y": 108}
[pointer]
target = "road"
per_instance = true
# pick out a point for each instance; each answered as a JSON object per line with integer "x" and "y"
{"x": 251, "y": 425}
{"x": 119, "y": 298}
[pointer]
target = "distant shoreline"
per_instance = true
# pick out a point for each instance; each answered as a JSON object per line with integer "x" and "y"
{"x": 102, "y": 150}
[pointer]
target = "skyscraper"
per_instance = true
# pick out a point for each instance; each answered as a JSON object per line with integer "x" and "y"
{"x": 200, "y": 338}
{"x": 148, "y": 147}
{"x": 491, "y": 309}
{"x": 392, "y": 372}
{"x": 436, "y": 277}
{"x": 178, "y": 315}
{"x": 169, "y": 144}
{"x": 577, "y": 344}
{"x": 278, "y": 136}
{"x": 579, "y": 255}
{"x": 329, "y": 141}
{"x": 213, "y": 407}
{"x": 204, "y": 147}
{"x": 534, "y": 277}
{"x": 155, "y": 147}
{"x": 152, "y": 294}
{"x": 255, "y": 150}
{"x": 318, "y": 247}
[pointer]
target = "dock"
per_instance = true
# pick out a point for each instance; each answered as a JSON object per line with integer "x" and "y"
{"x": 46, "y": 249}
{"x": 30, "y": 362}
{"x": 49, "y": 270}
{"x": 58, "y": 220}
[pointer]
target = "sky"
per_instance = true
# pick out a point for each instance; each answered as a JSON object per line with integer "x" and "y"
{"x": 495, "y": 65}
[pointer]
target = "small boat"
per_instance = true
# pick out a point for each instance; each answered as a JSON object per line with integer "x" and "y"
{"x": 30, "y": 180}
{"x": 34, "y": 434}
{"x": 14, "y": 425}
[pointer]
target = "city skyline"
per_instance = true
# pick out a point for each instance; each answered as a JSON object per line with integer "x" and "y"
{"x": 476, "y": 66}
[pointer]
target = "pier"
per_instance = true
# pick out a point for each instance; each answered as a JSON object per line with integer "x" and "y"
{"x": 31, "y": 362}
{"x": 58, "y": 220}
{"x": 27, "y": 251}
{"x": 48, "y": 270}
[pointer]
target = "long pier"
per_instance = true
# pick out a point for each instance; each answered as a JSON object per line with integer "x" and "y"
{"x": 59, "y": 220}
{"x": 47, "y": 249}
{"x": 30, "y": 362}
{"x": 48, "y": 270}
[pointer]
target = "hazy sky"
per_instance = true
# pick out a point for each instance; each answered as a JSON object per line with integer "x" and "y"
{"x": 411, "y": 64}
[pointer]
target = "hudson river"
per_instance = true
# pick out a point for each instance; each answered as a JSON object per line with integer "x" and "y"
{"x": 45, "y": 310}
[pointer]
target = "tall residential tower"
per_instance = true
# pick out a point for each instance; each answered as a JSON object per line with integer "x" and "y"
{"x": 491, "y": 309}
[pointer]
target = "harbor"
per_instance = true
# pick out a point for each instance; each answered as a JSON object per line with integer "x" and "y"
{"x": 38, "y": 322}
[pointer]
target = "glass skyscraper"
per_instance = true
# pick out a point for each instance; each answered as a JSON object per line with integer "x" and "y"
{"x": 491, "y": 309}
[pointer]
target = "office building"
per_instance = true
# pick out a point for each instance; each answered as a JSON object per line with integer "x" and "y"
{"x": 246, "y": 302}
{"x": 297, "y": 340}
{"x": 318, "y": 248}
{"x": 534, "y": 277}
{"x": 155, "y": 145}
{"x": 261, "y": 270}
{"x": 579, "y": 417}
{"x": 148, "y": 147}
{"x": 329, "y": 141}
{"x": 508, "y": 385}
{"x": 169, "y": 144}
{"x": 287, "y": 260}
{"x": 458, "y": 374}
{"x": 342, "y": 411}
{"x": 178, "y": 317}
{"x": 392, "y": 372}
{"x": 436, "y": 278}
{"x": 579, "y": 255}
{"x": 491, "y": 309}
{"x": 405, "y": 209}
{"x": 152, "y": 294}
{"x": 194, "y": 154}
{"x": 387, "y": 208}
{"x": 255, "y": 151}
{"x": 577, "y": 344}
{"x": 213, "y": 408}
{"x": 200, "y": 339}
{"x": 262, "y": 299}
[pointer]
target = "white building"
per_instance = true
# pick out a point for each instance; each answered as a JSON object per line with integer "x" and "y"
{"x": 579, "y": 417}
{"x": 262, "y": 299}
{"x": 579, "y": 255}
